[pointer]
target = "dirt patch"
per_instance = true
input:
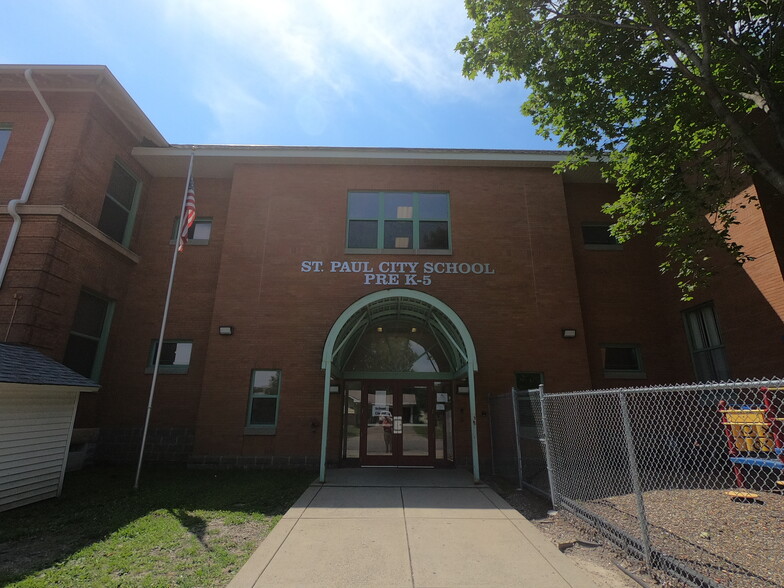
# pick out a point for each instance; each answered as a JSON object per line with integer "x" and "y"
{"x": 737, "y": 544}
{"x": 578, "y": 542}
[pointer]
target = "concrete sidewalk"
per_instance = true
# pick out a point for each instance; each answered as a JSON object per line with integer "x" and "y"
{"x": 398, "y": 527}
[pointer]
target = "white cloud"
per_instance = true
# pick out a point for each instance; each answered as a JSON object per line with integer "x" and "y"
{"x": 334, "y": 45}
{"x": 236, "y": 111}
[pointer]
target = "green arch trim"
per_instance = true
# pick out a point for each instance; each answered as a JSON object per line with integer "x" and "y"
{"x": 359, "y": 305}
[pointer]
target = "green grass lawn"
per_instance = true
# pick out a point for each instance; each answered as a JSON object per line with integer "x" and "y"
{"x": 181, "y": 528}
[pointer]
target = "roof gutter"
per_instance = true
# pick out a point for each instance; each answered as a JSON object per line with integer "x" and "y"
{"x": 31, "y": 177}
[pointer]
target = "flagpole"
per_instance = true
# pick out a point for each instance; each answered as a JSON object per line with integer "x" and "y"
{"x": 163, "y": 321}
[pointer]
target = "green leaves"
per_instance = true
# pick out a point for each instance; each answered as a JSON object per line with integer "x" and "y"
{"x": 670, "y": 95}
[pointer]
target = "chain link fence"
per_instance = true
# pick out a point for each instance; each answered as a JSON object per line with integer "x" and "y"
{"x": 688, "y": 478}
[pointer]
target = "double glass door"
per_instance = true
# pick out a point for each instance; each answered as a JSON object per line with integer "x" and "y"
{"x": 399, "y": 424}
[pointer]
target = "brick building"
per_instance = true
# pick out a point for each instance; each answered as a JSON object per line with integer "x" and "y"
{"x": 355, "y": 306}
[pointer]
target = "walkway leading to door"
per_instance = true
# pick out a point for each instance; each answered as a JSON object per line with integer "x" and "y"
{"x": 397, "y": 527}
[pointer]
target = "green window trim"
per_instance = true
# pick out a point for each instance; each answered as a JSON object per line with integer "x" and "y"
{"x": 100, "y": 340}
{"x": 264, "y": 389}
{"x": 200, "y": 220}
{"x": 705, "y": 343}
{"x": 5, "y": 137}
{"x": 616, "y": 370}
{"x": 113, "y": 203}
{"x": 170, "y": 368}
{"x": 401, "y": 233}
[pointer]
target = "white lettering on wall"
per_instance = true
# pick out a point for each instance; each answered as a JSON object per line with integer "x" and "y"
{"x": 396, "y": 273}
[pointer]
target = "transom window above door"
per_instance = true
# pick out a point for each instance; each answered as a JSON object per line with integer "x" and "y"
{"x": 398, "y": 222}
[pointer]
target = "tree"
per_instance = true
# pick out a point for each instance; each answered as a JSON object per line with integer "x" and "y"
{"x": 683, "y": 100}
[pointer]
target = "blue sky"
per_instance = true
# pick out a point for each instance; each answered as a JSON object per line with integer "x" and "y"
{"x": 364, "y": 73}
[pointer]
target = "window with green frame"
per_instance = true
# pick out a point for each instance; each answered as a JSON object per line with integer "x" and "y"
{"x": 263, "y": 403}
{"x": 86, "y": 345}
{"x": 198, "y": 234}
{"x": 395, "y": 221}
{"x": 175, "y": 356}
{"x": 119, "y": 205}
{"x": 5, "y": 135}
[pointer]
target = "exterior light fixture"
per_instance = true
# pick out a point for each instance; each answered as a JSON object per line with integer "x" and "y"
{"x": 226, "y": 330}
{"x": 568, "y": 333}
{"x": 413, "y": 329}
{"x": 380, "y": 329}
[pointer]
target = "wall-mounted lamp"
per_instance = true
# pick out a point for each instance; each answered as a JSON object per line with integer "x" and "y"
{"x": 226, "y": 330}
{"x": 334, "y": 389}
{"x": 568, "y": 333}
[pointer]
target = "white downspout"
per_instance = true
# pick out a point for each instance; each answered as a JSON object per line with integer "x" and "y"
{"x": 39, "y": 155}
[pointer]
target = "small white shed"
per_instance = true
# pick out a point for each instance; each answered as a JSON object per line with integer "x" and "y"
{"x": 38, "y": 400}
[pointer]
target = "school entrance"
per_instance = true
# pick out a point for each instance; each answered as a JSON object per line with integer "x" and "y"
{"x": 397, "y": 358}
{"x": 397, "y": 423}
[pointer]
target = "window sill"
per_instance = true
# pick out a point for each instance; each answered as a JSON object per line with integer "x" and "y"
{"x": 602, "y": 247}
{"x": 260, "y": 430}
{"x": 193, "y": 242}
{"x": 348, "y": 251}
{"x": 620, "y": 375}
{"x": 168, "y": 369}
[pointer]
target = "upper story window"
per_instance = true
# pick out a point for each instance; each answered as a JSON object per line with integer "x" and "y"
{"x": 198, "y": 234}
{"x": 89, "y": 333}
{"x": 175, "y": 357}
{"x": 119, "y": 205}
{"x": 598, "y": 236}
{"x": 398, "y": 222}
{"x": 707, "y": 349}
{"x": 5, "y": 135}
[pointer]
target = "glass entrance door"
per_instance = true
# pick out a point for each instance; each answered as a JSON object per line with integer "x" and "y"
{"x": 398, "y": 426}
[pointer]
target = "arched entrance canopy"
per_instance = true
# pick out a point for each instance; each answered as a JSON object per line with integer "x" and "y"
{"x": 395, "y": 305}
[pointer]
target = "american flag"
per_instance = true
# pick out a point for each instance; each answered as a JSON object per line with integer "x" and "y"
{"x": 190, "y": 215}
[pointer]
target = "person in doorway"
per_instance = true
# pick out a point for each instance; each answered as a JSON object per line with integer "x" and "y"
{"x": 386, "y": 424}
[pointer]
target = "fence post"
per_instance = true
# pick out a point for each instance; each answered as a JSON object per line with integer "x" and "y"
{"x": 547, "y": 456}
{"x": 515, "y": 413}
{"x": 635, "y": 476}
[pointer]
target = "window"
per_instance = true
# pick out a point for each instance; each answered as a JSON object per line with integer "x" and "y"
{"x": 198, "y": 234}
{"x": 119, "y": 205}
{"x": 263, "y": 403}
{"x": 622, "y": 361}
{"x": 175, "y": 357}
{"x": 528, "y": 380}
{"x": 89, "y": 333}
{"x": 398, "y": 221}
{"x": 707, "y": 349}
{"x": 525, "y": 381}
{"x": 598, "y": 236}
{"x": 5, "y": 135}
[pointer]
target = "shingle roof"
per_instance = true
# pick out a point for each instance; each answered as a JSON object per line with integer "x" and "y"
{"x": 23, "y": 365}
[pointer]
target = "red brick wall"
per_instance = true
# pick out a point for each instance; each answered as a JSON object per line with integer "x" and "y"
{"x": 53, "y": 258}
{"x": 624, "y": 298}
{"x": 278, "y": 216}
